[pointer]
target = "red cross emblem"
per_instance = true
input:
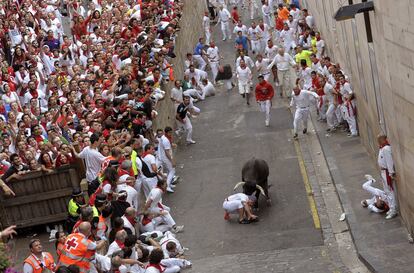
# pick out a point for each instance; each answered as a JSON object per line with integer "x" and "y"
{"x": 72, "y": 243}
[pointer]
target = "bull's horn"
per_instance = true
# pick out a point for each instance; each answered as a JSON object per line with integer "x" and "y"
{"x": 261, "y": 190}
{"x": 238, "y": 185}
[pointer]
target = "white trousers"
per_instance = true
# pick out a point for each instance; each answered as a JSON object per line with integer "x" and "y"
{"x": 375, "y": 193}
{"x": 338, "y": 113}
{"x": 349, "y": 117}
{"x": 322, "y": 107}
{"x": 167, "y": 218}
{"x": 192, "y": 93}
{"x": 201, "y": 62}
{"x": 148, "y": 184}
{"x": 228, "y": 84}
{"x": 331, "y": 119}
{"x": 284, "y": 82}
{"x": 265, "y": 108}
{"x": 169, "y": 169}
{"x": 208, "y": 35}
{"x": 389, "y": 192}
{"x": 172, "y": 264}
{"x": 255, "y": 46}
{"x": 225, "y": 29}
{"x": 232, "y": 206}
{"x": 301, "y": 114}
{"x": 244, "y": 88}
{"x": 252, "y": 8}
{"x": 214, "y": 69}
{"x": 266, "y": 76}
{"x": 187, "y": 127}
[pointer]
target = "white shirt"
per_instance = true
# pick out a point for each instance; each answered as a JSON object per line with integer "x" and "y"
{"x": 113, "y": 247}
{"x": 164, "y": 146}
{"x": 287, "y": 36}
{"x": 206, "y": 23}
{"x": 155, "y": 196}
{"x": 304, "y": 99}
{"x": 328, "y": 90}
{"x": 169, "y": 237}
{"x": 238, "y": 197}
{"x": 262, "y": 67}
{"x": 208, "y": 89}
{"x": 249, "y": 62}
{"x": 345, "y": 89}
{"x": 385, "y": 160}
{"x": 295, "y": 14}
{"x": 305, "y": 75}
{"x": 243, "y": 29}
{"x": 128, "y": 224}
{"x": 319, "y": 47}
{"x": 213, "y": 54}
{"x": 270, "y": 52}
{"x": 253, "y": 34}
{"x": 197, "y": 74}
{"x": 177, "y": 95}
{"x": 264, "y": 33}
{"x": 224, "y": 15}
{"x": 132, "y": 194}
{"x": 93, "y": 161}
{"x": 283, "y": 63}
{"x": 244, "y": 75}
{"x": 310, "y": 21}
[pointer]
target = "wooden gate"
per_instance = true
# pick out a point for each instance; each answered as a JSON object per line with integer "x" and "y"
{"x": 41, "y": 198}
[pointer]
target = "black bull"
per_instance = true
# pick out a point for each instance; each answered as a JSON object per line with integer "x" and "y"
{"x": 255, "y": 172}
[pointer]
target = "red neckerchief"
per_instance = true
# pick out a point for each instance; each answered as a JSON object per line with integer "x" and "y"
{"x": 170, "y": 138}
{"x": 262, "y": 27}
{"x": 131, "y": 220}
{"x": 120, "y": 244}
{"x": 157, "y": 266}
{"x": 386, "y": 143}
{"x": 145, "y": 220}
{"x": 34, "y": 93}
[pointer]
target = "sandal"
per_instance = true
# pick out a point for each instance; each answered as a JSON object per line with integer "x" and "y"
{"x": 244, "y": 221}
{"x": 254, "y": 220}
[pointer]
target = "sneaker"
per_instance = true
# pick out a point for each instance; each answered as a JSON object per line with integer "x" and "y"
{"x": 295, "y": 136}
{"x": 178, "y": 229}
{"x": 170, "y": 190}
{"x": 266, "y": 123}
{"x": 364, "y": 203}
{"x": 226, "y": 216}
{"x": 305, "y": 130}
{"x": 175, "y": 180}
{"x": 191, "y": 142}
{"x": 369, "y": 177}
{"x": 391, "y": 215}
{"x": 224, "y": 39}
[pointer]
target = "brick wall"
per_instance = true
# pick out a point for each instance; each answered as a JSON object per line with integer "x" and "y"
{"x": 388, "y": 105}
{"x": 190, "y": 32}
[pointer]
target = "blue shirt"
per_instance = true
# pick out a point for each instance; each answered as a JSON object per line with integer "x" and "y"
{"x": 198, "y": 49}
{"x": 243, "y": 42}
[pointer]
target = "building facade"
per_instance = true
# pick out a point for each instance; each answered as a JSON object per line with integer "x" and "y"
{"x": 376, "y": 49}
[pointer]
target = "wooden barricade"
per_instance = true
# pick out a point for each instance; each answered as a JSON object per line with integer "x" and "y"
{"x": 41, "y": 197}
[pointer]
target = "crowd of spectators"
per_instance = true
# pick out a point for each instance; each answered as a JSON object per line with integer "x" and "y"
{"x": 61, "y": 83}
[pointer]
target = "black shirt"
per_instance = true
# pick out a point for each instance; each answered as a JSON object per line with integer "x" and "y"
{"x": 182, "y": 110}
{"x": 12, "y": 170}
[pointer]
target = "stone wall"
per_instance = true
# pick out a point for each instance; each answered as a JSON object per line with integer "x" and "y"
{"x": 382, "y": 75}
{"x": 191, "y": 31}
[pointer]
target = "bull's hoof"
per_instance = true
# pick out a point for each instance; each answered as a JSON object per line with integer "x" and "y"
{"x": 269, "y": 202}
